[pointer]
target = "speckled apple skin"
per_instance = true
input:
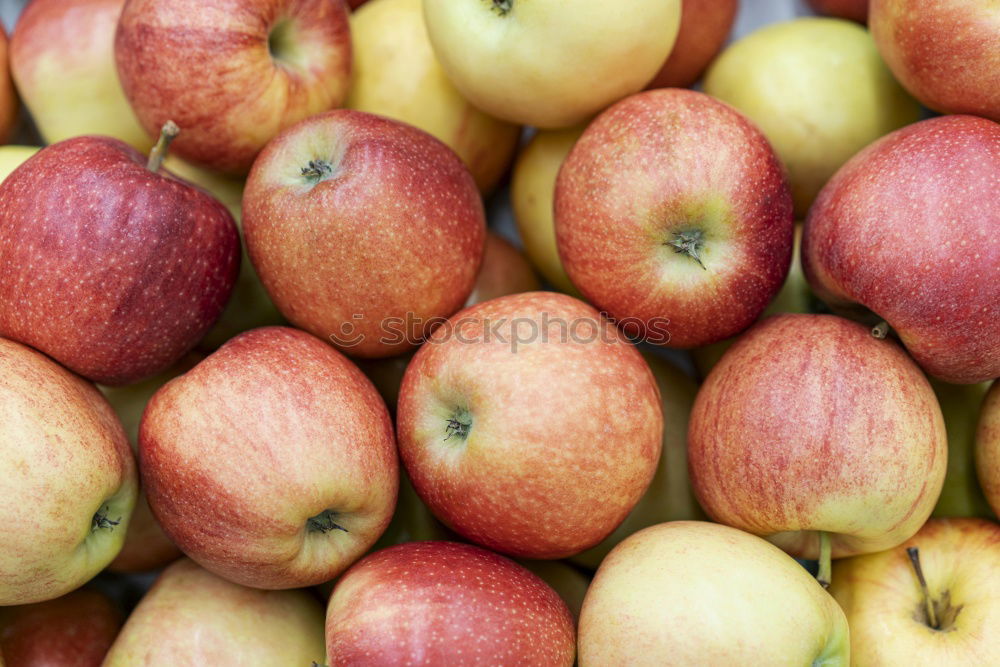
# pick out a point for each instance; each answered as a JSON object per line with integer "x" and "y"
{"x": 273, "y": 428}
{"x": 191, "y": 617}
{"x": 207, "y": 66}
{"x": 76, "y": 629}
{"x": 809, "y": 423}
{"x": 665, "y": 161}
{"x": 987, "y": 447}
{"x": 445, "y": 603}
{"x": 63, "y": 456}
{"x": 398, "y": 229}
{"x": 565, "y": 436}
{"x": 705, "y": 25}
{"x": 945, "y": 52}
{"x": 909, "y": 228}
{"x": 114, "y": 271}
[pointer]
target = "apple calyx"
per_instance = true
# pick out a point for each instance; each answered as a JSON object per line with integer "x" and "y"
{"x": 168, "y": 133}
{"x": 824, "y": 574}
{"x": 317, "y": 170}
{"x": 689, "y": 242}
{"x": 101, "y": 520}
{"x": 503, "y": 7}
{"x": 881, "y": 330}
{"x": 937, "y": 614}
{"x": 458, "y": 425}
{"x": 324, "y": 523}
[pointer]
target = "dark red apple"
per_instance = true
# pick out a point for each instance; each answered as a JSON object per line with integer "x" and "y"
{"x": 113, "y": 268}
{"x": 672, "y": 212}
{"x": 705, "y": 25}
{"x": 444, "y": 603}
{"x": 364, "y": 230}
{"x": 76, "y": 629}
{"x": 853, "y": 10}
{"x": 908, "y": 231}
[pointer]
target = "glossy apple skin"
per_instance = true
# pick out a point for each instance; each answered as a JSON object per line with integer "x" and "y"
{"x": 192, "y": 617}
{"x": 853, "y": 10}
{"x": 961, "y": 495}
{"x": 62, "y": 59}
{"x": 583, "y": 57}
{"x": 290, "y": 409}
{"x": 398, "y": 229}
{"x": 111, "y": 269}
{"x": 8, "y": 95}
{"x": 988, "y": 447}
{"x": 564, "y": 433}
{"x": 657, "y": 164}
{"x": 669, "y": 497}
{"x": 532, "y": 192}
{"x": 697, "y": 593}
{"x": 907, "y": 230}
{"x": 225, "y": 89}
{"x": 879, "y": 592}
{"x": 445, "y": 603}
{"x": 76, "y": 629}
{"x": 817, "y": 89}
{"x": 64, "y": 458}
{"x": 809, "y": 423}
{"x": 397, "y": 75}
{"x": 705, "y": 25}
{"x": 943, "y": 51}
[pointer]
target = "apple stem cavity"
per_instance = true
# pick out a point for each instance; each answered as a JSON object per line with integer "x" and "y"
{"x": 503, "y": 7}
{"x": 824, "y": 575}
{"x": 932, "y": 618}
{"x": 324, "y": 523}
{"x": 317, "y": 170}
{"x": 168, "y": 133}
{"x": 689, "y": 242}
{"x": 101, "y": 520}
{"x": 881, "y": 330}
{"x": 458, "y": 425}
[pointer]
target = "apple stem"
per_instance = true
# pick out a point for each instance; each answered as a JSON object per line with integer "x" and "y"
{"x": 914, "y": 555}
{"x": 159, "y": 152}
{"x": 880, "y": 330}
{"x": 690, "y": 243}
{"x": 824, "y": 575}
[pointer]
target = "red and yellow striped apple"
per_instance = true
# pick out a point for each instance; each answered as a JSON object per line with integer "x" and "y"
{"x": 704, "y": 27}
{"x": 988, "y": 447}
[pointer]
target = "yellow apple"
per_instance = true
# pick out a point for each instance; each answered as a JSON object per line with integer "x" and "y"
{"x": 550, "y": 63}
{"x": 62, "y": 59}
{"x": 669, "y": 497}
{"x": 818, "y": 89}
{"x": 961, "y": 495}
{"x": 12, "y": 157}
{"x": 894, "y": 622}
{"x": 532, "y": 190}
{"x": 698, "y": 593}
{"x": 396, "y": 74}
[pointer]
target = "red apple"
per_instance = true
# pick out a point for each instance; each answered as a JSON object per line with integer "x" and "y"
{"x": 67, "y": 478}
{"x": 394, "y": 235}
{"x": 907, "y": 230}
{"x": 945, "y": 52}
{"x": 987, "y": 448}
{"x": 809, "y": 427}
{"x": 356, "y": 3}
{"x": 232, "y": 73}
{"x": 529, "y": 424}
{"x": 705, "y": 25}
{"x": 272, "y": 462}
{"x": 8, "y": 96}
{"x": 76, "y": 629}
{"x": 444, "y": 603}
{"x": 672, "y": 213}
{"x": 854, "y": 10}
{"x": 107, "y": 264}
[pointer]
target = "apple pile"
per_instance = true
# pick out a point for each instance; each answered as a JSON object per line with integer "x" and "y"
{"x": 283, "y": 381}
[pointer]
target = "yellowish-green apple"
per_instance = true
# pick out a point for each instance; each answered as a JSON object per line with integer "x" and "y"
{"x": 961, "y": 495}
{"x": 12, "y": 157}
{"x": 988, "y": 447}
{"x": 67, "y": 478}
{"x": 549, "y": 63}
{"x": 569, "y": 582}
{"x": 62, "y": 59}
{"x": 532, "y": 190}
{"x": 818, "y": 89}
{"x": 669, "y": 497}
{"x": 192, "y": 617}
{"x": 697, "y": 593}
{"x": 8, "y": 95}
{"x": 396, "y": 74}
{"x": 896, "y": 621}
